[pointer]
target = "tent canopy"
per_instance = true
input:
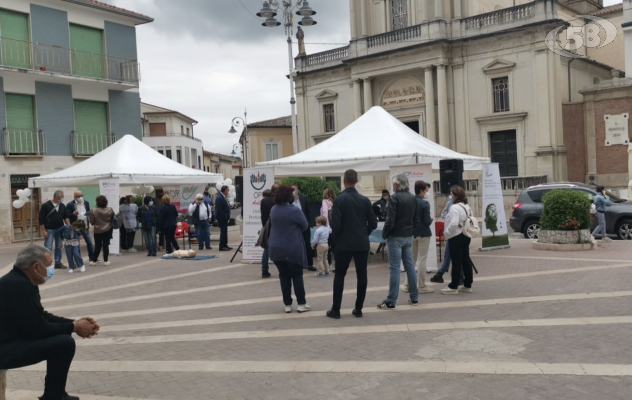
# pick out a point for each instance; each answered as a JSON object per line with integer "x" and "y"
{"x": 374, "y": 142}
{"x": 130, "y": 160}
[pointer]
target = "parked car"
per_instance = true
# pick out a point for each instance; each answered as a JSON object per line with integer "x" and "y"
{"x": 528, "y": 209}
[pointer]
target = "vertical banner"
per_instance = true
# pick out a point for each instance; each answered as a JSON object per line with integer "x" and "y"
{"x": 495, "y": 234}
{"x": 256, "y": 180}
{"x": 111, "y": 190}
{"x": 422, "y": 172}
{"x": 187, "y": 196}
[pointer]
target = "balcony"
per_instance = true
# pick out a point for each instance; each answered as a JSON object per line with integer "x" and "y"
{"x": 86, "y": 144}
{"x": 184, "y": 135}
{"x": 23, "y": 142}
{"x": 327, "y": 56}
{"x": 60, "y": 60}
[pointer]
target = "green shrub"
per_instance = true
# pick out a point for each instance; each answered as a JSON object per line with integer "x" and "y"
{"x": 562, "y": 208}
{"x": 312, "y": 188}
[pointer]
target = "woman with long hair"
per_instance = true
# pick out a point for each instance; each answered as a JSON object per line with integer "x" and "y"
{"x": 101, "y": 220}
{"x": 325, "y": 211}
{"x": 459, "y": 243}
{"x": 287, "y": 247}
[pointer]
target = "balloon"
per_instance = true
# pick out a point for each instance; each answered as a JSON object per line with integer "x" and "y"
{"x": 151, "y": 189}
{"x": 20, "y": 193}
{"x": 232, "y": 190}
{"x": 18, "y": 204}
{"x": 28, "y": 192}
{"x": 228, "y": 182}
{"x": 213, "y": 191}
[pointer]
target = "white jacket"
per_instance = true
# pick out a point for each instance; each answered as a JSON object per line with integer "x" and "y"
{"x": 455, "y": 220}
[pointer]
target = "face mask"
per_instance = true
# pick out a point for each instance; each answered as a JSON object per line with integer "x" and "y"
{"x": 80, "y": 200}
{"x": 50, "y": 271}
{"x": 151, "y": 203}
{"x": 451, "y": 199}
{"x": 385, "y": 198}
{"x": 294, "y": 194}
{"x": 61, "y": 201}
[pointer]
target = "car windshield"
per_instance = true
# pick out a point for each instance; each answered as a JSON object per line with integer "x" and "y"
{"x": 614, "y": 197}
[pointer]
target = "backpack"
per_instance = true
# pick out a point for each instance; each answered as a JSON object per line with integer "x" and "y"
{"x": 470, "y": 226}
{"x": 117, "y": 221}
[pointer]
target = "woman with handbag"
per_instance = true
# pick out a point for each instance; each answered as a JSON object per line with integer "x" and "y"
{"x": 286, "y": 246}
{"x": 101, "y": 219}
{"x": 459, "y": 243}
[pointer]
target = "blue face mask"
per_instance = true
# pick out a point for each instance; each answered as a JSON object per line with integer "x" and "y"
{"x": 50, "y": 271}
{"x": 61, "y": 201}
{"x": 451, "y": 199}
{"x": 151, "y": 203}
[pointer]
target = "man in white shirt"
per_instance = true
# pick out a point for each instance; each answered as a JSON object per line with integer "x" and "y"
{"x": 201, "y": 213}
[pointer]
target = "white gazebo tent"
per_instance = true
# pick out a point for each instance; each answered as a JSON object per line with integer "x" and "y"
{"x": 132, "y": 162}
{"x": 373, "y": 143}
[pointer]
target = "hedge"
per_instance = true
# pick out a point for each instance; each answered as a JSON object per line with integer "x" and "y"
{"x": 562, "y": 207}
{"x": 312, "y": 188}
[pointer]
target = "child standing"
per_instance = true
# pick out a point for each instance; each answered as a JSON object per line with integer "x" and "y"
{"x": 71, "y": 244}
{"x": 319, "y": 243}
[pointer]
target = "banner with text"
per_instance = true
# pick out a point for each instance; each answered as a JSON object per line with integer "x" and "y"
{"x": 495, "y": 234}
{"x": 187, "y": 196}
{"x": 422, "y": 173}
{"x": 256, "y": 180}
{"x": 111, "y": 190}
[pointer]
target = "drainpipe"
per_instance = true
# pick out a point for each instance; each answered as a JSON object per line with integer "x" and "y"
{"x": 570, "y": 81}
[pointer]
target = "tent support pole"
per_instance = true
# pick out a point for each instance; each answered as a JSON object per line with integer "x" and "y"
{"x": 31, "y": 218}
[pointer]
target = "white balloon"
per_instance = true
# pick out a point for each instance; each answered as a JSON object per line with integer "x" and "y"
{"x": 20, "y": 193}
{"x": 28, "y": 192}
{"x": 228, "y": 182}
{"x": 232, "y": 190}
{"x": 18, "y": 204}
{"x": 151, "y": 189}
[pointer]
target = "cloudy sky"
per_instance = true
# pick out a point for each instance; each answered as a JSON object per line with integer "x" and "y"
{"x": 212, "y": 59}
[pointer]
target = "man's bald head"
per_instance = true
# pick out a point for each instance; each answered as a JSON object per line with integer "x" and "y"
{"x": 78, "y": 194}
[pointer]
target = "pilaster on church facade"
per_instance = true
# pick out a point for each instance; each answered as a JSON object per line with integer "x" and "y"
{"x": 474, "y": 76}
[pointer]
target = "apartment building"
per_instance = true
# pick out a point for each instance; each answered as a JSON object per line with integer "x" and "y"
{"x": 69, "y": 87}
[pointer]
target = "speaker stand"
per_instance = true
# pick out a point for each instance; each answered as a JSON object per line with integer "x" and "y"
{"x": 237, "y": 251}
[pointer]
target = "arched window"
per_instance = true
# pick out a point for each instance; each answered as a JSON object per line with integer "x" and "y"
{"x": 399, "y": 11}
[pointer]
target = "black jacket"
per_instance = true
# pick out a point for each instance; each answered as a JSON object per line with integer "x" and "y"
{"x": 352, "y": 221}
{"x": 50, "y": 218}
{"x": 303, "y": 202}
{"x": 423, "y": 220}
{"x": 167, "y": 217}
{"x": 266, "y": 207}
{"x": 22, "y": 316}
{"x": 402, "y": 213}
{"x": 140, "y": 216}
{"x": 72, "y": 207}
{"x": 222, "y": 209}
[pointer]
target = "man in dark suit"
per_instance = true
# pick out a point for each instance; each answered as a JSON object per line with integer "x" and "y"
{"x": 222, "y": 213}
{"x": 301, "y": 202}
{"x": 352, "y": 222}
{"x": 79, "y": 208}
{"x": 266, "y": 206}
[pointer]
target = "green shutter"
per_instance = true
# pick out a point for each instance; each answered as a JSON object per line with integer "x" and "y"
{"x": 21, "y": 132}
{"x": 14, "y": 30}
{"x": 88, "y": 56}
{"x": 91, "y": 127}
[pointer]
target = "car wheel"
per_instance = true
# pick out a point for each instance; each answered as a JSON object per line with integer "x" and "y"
{"x": 532, "y": 230}
{"x": 624, "y": 229}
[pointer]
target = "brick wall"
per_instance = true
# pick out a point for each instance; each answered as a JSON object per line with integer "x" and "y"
{"x": 613, "y": 159}
{"x": 575, "y": 141}
{"x": 55, "y": 116}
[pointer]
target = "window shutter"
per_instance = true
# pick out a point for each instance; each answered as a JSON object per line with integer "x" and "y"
{"x": 21, "y": 124}
{"x": 14, "y": 30}
{"x": 88, "y": 56}
{"x": 91, "y": 117}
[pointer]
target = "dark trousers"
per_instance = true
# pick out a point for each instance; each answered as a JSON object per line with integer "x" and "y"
{"x": 170, "y": 238}
{"x": 265, "y": 266}
{"x": 131, "y": 234}
{"x": 343, "y": 259}
{"x": 291, "y": 274}
{"x": 223, "y": 234}
{"x": 307, "y": 236}
{"x": 461, "y": 262}
{"x": 102, "y": 241}
{"x": 58, "y": 352}
{"x": 123, "y": 239}
{"x": 330, "y": 253}
{"x": 161, "y": 239}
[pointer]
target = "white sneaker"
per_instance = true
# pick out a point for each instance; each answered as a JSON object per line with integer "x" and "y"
{"x": 71, "y": 271}
{"x": 606, "y": 239}
{"x": 82, "y": 269}
{"x": 425, "y": 289}
{"x": 168, "y": 255}
{"x": 449, "y": 291}
{"x": 401, "y": 269}
{"x": 405, "y": 289}
{"x": 132, "y": 250}
{"x": 107, "y": 263}
{"x": 288, "y": 309}
{"x": 92, "y": 263}
{"x": 303, "y": 308}
{"x": 464, "y": 289}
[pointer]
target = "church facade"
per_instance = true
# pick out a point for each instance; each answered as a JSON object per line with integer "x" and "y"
{"x": 472, "y": 75}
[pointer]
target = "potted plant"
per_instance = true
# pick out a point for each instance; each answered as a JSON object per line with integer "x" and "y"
{"x": 566, "y": 218}
{"x": 313, "y": 189}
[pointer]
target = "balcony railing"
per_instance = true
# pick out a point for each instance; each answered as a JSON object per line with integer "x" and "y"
{"x": 508, "y": 183}
{"x": 172, "y": 135}
{"x": 49, "y": 58}
{"x": 497, "y": 17}
{"x": 399, "y": 35}
{"x": 327, "y": 56}
{"x": 23, "y": 142}
{"x": 88, "y": 144}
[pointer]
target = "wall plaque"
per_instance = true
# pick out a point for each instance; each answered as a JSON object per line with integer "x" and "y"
{"x": 617, "y": 131}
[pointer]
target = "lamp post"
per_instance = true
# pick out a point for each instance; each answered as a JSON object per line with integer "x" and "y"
{"x": 241, "y": 125}
{"x": 287, "y": 7}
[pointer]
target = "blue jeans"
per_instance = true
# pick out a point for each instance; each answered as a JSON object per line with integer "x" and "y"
{"x": 89, "y": 244}
{"x": 265, "y": 262}
{"x": 73, "y": 253}
{"x": 446, "y": 259}
{"x": 600, "y": 230}
{"x": 203, "y": 234}
{"x": 400, "y": 250}
{"x": 54, "y": 235}
{"x": 149, "y": 236}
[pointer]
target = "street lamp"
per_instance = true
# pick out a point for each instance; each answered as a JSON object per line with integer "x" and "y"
{"x": 287, "y": 7}
{"x": 240, "y": 125}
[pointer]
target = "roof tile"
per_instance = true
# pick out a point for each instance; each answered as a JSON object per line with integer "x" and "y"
{"x": 607, "y": 10}
{"x": 282, "y": 122}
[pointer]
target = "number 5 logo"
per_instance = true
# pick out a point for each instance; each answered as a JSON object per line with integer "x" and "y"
{"x": 588, "y": 35}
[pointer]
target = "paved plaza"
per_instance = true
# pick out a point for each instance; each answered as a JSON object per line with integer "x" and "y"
{"x": 539, "y": 325}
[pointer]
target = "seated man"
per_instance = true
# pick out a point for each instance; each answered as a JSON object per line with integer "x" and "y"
{"x": 30, "y": 335}
{"x": 380, "y": 207}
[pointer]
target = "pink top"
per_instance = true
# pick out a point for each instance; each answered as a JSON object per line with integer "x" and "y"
{"x": 324, "y": 209}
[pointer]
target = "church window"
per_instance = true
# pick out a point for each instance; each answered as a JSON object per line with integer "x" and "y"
{"x": 330, "y": 118}
{"x": 501, "y": 94}
{"x": 400, "y": 14}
